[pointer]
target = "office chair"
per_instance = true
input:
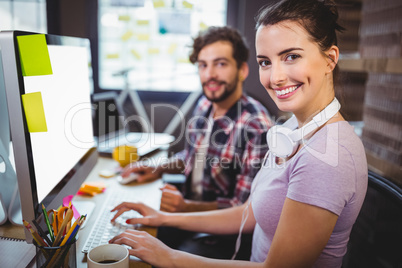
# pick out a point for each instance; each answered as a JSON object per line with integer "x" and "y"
{"x": 376, "y": 237}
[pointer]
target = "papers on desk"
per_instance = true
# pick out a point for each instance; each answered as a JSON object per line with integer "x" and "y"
{"x": 15, "y": 252}
{"x": 92, "y": 188}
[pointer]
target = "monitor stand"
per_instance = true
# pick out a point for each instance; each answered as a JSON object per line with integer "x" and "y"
{"x": 14, "y": 211}
{"x": 9, "y": 196}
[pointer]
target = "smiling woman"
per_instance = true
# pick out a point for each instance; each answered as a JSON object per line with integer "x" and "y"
{"x": 303, "y": 205}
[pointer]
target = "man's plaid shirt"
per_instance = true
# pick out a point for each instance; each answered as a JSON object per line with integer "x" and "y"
{"x": 236, "y": 149}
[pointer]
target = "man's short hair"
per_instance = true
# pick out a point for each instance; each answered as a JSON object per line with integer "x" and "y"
{"x": 214, "y": 34}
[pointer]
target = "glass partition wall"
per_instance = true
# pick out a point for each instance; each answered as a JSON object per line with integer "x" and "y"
{"x": 24, "y": 15}
{"x": 145, "y": 44}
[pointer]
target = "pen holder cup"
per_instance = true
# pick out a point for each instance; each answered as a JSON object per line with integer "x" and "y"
{"x": 60, "y": 257}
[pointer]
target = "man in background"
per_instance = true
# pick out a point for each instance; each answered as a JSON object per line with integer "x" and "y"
{"x": 225, "y": 139}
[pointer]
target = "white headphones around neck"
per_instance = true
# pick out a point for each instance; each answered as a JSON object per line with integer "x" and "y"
{"x": 283, "y": 140}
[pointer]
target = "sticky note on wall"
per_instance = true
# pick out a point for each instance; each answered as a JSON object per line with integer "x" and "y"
{"x": 136, "y": 54}
{"x": 34, "y": 112}
{"x": 127, "y": 35}
{"x": 142, "y": 22}
{"x": 153, "y": 50}
{"x": 187, "y": 4}
{"x": 34, "y": 55}
{"x": 159, "y": 3}
{"x": 112, "y": 56}
{"x": 143, "y": 37}
{"x": 203, "y": 26}
{"x": 172, "y": 48}
{"x": 124, "y": 18}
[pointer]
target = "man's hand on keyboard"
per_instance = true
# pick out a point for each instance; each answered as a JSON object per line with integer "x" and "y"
{"x": 151, "y": 217}
{"x": 145, "y": 173}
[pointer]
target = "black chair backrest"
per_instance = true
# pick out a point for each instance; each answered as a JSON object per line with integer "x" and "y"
{"x": 376, "y": 238}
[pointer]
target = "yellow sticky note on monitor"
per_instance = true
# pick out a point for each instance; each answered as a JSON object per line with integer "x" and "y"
{"x": 34, "y": 112}
{"x": 34, "y": 55}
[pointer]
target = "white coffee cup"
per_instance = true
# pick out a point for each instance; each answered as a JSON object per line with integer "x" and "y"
{"x": 108, "y": 255}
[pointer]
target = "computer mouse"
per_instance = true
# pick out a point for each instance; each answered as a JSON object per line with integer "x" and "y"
{"x": 130, "y": 178}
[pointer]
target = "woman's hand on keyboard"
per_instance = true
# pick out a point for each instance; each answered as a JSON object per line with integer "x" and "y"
{"x": 146, "y": 247}
{"x": 151, "y": 217}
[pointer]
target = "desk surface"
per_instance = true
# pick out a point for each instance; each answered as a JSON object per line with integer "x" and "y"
{"x": 151, "y": 189}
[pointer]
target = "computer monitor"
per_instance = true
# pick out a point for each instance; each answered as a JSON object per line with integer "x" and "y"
{"x": 50, "y": 116}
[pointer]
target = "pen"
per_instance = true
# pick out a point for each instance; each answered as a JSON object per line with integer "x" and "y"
{"x": 69, "y": 233}
{"x": 56, "y": 225}
{"x": 35, "y": 235}
{"x": 47, "y": 222}
{"x": 76, "y": 229}
{"x": 41, "y": 232}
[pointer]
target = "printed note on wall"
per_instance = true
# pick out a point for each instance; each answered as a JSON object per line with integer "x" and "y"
{"x": 34, "y": 112}
{"x": 174, "y": 22}
{"x": 34, "y": 55}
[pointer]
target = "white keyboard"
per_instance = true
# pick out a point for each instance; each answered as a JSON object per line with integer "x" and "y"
{"x": 104, "y": 230}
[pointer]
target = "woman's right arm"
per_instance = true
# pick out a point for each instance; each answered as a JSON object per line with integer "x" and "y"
{"x": 222, "y": 221}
